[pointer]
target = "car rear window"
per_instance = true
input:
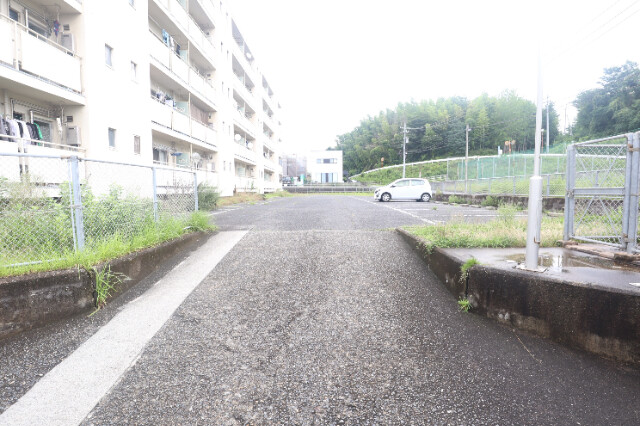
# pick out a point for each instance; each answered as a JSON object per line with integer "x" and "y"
{"x": 416, "y": 182}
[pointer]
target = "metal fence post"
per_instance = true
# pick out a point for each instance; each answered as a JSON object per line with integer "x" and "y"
{"x": 155, "y": 194}
{"x": 514, "y": 184}
{"x": 548, "y": 185}
{"x": 632, "y": 232}
{"x": 569, "y": 200}
{"x": 195, "y": 189}
{"x": 76, "y": 207}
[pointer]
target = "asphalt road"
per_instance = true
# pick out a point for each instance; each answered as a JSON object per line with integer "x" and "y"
{"x": 322, "y": 314}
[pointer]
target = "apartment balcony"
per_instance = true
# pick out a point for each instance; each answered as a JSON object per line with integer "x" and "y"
{"x": 205, "y": 10}
{"x": 243, "y": 120}
{"x": 180, "y": 18}
{"x": 271, "y": 186}
{"x": 180, "y": 71}
{"x": 246, "y": 184}
{"x": 245, "y": 154}
{"x": 270, "y": 165}
{"x": 243, "y": 90}
{"x": 27, "y": 61}
{"x": 62, "y": 6}
{"x": 207, "y": 177}
{"x": 41, "y": 148}
{"x": 180, "y": 125}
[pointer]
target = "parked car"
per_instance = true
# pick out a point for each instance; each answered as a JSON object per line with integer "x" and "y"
{"x": 405, "y": 189}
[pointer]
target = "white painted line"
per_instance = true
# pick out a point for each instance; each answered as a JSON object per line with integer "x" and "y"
{"x": 68, "y": 393}
{"x": 380, "y": 204}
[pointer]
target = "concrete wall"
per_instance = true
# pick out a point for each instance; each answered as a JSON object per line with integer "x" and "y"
{"x": 35, "y": 300}
{"x": 603, "y": 322}
{"x": 548, "y": 203}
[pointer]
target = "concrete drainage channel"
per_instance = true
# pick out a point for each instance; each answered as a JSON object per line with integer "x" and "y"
{"x": 35, "y": 300}
{"x": 576, "y": 314}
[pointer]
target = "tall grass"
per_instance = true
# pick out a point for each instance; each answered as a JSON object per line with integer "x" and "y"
{"x": 506, "y": 230}
{"x": 36, "y": 230}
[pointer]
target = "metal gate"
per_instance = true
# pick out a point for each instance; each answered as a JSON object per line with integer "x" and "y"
{"x": 601, "y": 203}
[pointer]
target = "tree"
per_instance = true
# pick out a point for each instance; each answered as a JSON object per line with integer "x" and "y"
{"x": 439, "y": 130}
{"x": 613, "y": 108}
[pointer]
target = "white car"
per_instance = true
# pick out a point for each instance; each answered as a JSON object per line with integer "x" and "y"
{"x": 405, "y": 189}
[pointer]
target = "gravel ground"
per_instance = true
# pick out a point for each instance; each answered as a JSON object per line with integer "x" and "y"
{"x": 351, "y": 327}
{"x": 27, "y": 357}
{"x": 322, "y": 315}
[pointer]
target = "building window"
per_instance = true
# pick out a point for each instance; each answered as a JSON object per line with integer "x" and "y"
{"x": 13, "y": 14}
{"x": 112, "y": 138}
{"x": 108, "y": 53}
{"x": 160, "y": 156}
{"x": 327, "y": 161}
{"x": 136, "y": 145}
{"x": 45, "y": 129}
{"x": 134, "y": 71}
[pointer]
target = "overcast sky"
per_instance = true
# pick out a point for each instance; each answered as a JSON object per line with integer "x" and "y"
{"x": 333, "y": 63}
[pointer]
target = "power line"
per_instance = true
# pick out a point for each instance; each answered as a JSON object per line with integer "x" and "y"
{"x": 585, "y": 38}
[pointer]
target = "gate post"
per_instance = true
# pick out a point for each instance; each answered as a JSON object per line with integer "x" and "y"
{"x": 569, "y": 200}
{"x": 631, "y": 212}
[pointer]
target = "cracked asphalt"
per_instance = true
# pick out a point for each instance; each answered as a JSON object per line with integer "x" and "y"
{"x": 322, "y": 314}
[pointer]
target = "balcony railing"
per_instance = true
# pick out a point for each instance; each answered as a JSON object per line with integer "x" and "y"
{"x": 244, "y": 153}
{"x": 173, "y": 119}
{"x": 190, "y": 28}
{"x": 246, "y": 184}
{"x": 27, "y": 51}
{"x": 172, "y": 62}
{"x": 209, "y": 9}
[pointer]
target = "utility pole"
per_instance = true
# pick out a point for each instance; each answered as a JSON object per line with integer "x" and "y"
{"x": 547, "y": 124}
{"x": 466, "y": 163}
{"x": 404, "y": 150}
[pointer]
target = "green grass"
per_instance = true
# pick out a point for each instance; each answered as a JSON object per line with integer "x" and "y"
{"x": 278, "y": 194}
{"x": 106, "y": 282}
{"x": 464, "y": 269}
{"x": 506, "y": 230}
{"x": 116, "y": 245}
{"x": 464, "y": 304}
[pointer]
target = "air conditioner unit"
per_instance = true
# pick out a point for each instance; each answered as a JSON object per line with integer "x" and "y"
{"x": 73, "y": 136}
{"x": 67, "y": 42}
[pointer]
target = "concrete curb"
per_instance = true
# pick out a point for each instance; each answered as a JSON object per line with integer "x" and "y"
{"x": 548, "y": 203}
{"x": 578, "y": 315}
{"x": 34, "y": 300}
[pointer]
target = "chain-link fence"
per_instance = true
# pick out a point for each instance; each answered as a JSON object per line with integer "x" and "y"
{"x": 52, "y": 206}
{"x": 601, "y": 202}
{"x": 506, "y": 174}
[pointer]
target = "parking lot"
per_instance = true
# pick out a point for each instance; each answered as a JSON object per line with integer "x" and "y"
{"x": 323, "y": 211}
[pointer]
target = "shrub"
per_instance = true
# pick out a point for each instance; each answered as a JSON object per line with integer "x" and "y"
{"x": 491, "y": 201}
{"x": 207, "y": 197}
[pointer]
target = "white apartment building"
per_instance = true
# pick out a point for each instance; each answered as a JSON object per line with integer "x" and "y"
{"x": 324, "y": 166}
{"x": 170, "y": 82}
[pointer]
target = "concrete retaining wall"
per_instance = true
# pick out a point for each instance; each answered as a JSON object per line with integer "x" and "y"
{"x": 604, "y": 322}
{"x": 548, "y": 203}
{"x": 34, "y": 300}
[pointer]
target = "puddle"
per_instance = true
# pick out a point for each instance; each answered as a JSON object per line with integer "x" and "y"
{"x": 559, "y": 262}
